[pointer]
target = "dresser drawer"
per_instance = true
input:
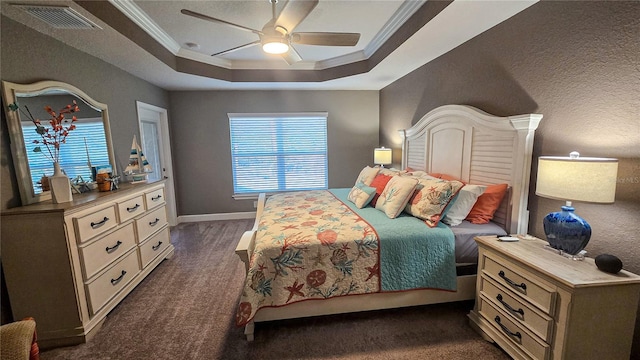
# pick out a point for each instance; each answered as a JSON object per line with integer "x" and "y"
{"x": 150, "y": 249}
{"x": 523, "y": 283}
{"x": 523, "y": 313}
{"x": 95, "y": 223}
{"x": 99, "y": 254}
{"x": 105, "y": 286}
{"x": 128, "y": 209}
{"x": 154, "y": 198}
{"x": 513, "y": 332}
{"x": 150, "y": 223}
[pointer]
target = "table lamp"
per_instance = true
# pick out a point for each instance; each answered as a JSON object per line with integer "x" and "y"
{"x": 576, "y": 178}
{"x": 382, "y": 156}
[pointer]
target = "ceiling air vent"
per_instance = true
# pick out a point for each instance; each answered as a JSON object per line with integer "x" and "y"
{"x": 60, "y": 17}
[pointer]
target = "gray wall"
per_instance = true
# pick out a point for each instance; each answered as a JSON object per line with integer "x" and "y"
{"x": 577, "y": 63}
{"x": 28, "y": 56}
{"x": 201, "y": 148}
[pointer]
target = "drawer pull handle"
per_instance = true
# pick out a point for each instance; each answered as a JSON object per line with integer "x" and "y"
{"x": 511, "y": 282}
{"x": 114, "y": 247}
{"x": 506, "y": 330}
{"x": 99, "y": 223}
{"x": 134, "y": 208}
{"x": 154, "y": 222}
{"x": 519, "y": 311}
{"x": 156, "y": 247}
{"x": 119, "y": 278}
{"x": 156, "y": 198}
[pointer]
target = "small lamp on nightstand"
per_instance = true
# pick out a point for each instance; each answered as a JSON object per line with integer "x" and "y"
{"x": 574, "y": 178}
{"x": 382, "y": 156}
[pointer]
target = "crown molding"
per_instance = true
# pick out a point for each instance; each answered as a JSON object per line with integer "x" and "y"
{"x": 140, "y": 18}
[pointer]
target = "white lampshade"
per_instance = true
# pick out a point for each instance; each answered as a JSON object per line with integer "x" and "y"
{"x": 577, "y": 178}
{"x": 382, "y": 156}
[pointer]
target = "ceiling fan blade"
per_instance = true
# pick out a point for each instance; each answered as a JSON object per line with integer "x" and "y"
{"x": 237, "y": 48}
{"x": 325, "y": 38}
{"x": 291, "y": 56}
{"x": 212, "y": 19}
{"x": 293, "y": 12}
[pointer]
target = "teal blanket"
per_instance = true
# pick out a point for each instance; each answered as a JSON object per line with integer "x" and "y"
{"x": 412, "y": 255}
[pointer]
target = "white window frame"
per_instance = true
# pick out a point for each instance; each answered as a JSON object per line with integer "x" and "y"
{"x": 272, "y": 116}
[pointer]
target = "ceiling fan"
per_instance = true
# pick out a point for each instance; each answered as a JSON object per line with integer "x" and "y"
{"x": 277, "y": 36}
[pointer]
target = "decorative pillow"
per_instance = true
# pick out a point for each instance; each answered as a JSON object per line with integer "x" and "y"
{"x": 361, "y": 195}
{"x": 445, "y": 177}
{"x": 487, "y": 204}
{"x": 395, "y": 195}
{"x": 379, "y": 183}
{"x": 391, "y": 171}
{"x": 431, "y": 199}
{"x": 367, "y": 175}
{"x": 463, "y": 203}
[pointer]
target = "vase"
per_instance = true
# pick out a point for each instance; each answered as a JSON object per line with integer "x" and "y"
{"x": 566, "y": 230}
{"x": 60, "y": 186}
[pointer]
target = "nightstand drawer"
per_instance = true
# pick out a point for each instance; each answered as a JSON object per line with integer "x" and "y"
{"x": 513, "y": 332}
{"x": 522, "y": 312}
{"x": 522, "y": 282}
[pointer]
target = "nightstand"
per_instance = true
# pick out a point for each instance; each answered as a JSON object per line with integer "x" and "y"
{"x": 536, "y": 304}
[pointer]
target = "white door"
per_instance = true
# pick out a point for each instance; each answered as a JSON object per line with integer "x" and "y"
{"x": 154, "y": 140}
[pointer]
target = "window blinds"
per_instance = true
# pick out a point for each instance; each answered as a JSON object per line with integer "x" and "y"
{"x": 278, "y": 152}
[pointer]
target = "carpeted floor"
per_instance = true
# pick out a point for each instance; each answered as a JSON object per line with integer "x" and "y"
{"x": 185, "y": 310}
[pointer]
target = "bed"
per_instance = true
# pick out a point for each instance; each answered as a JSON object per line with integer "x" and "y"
{"x": 297, "y": 266}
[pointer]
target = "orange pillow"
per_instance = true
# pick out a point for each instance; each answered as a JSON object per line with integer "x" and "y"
{"x": 379, "y": 182}
{"x": 487, "y": 204}
{"x": 445, "y": 177}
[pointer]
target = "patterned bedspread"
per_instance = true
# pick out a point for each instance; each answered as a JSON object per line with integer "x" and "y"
{"x": 312, "y": 245}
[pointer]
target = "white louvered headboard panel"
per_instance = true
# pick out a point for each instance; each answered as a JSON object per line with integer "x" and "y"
{"x": 478, "y": 148}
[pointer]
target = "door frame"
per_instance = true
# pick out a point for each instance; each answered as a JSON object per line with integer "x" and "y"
{"x": 166, "y": 157}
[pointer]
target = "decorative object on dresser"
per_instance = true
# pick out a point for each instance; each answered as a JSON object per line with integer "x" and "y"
{"x": 90, "y": 139}
{"x": 382, "y": 156}
{"x": 574, "y": 178}
{"x": 537, "y": 307}
{"x": 52, "y": 139}
{"x": 609, "y": 263}
{"x": 138, "y": 166}
{"x": 68, "y": 265}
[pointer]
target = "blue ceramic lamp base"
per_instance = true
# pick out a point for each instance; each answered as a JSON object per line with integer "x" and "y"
{"x": 566, "y": 231}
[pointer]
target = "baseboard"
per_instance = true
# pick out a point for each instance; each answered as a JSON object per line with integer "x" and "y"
{"x": 215, "y": 217}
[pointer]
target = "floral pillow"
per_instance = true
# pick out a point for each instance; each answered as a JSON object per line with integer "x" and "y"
{"x": 395, "y": 195}
{"x": 431, "y": 199}
{"x": 367, "y": 175}
{"x": 361, "y": 195}
{"x": 379, "y": 184}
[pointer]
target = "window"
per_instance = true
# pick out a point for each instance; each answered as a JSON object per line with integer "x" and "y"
{"x": 278, "y": 152}
{"x": 73, "y": 158}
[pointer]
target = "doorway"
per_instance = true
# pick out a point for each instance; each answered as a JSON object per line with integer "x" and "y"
{"x": 154, "y": 139}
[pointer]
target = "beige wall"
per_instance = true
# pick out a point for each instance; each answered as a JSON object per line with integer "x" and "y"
{"x": 201, "y": 148}
{"x": 577, "y": 63}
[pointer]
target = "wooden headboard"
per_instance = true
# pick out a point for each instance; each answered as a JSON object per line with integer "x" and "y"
{"x": 478, "y": 148}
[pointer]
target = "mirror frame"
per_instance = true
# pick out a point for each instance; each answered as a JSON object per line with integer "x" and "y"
{"x": 18, "y": 147}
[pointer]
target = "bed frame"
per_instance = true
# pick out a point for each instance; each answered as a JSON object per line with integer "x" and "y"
{"x": 458, "y": 140}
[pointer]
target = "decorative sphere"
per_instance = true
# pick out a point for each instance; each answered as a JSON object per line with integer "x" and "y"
{"x": 609, "y": 263}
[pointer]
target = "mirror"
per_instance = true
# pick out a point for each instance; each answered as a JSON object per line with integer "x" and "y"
{"x": 89, "y": 144}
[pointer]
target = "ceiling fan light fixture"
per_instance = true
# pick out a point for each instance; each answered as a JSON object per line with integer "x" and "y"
{"x": 276, "y": 46}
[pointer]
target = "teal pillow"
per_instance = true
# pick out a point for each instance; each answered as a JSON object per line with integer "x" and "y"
{"x": 361, "y": 194}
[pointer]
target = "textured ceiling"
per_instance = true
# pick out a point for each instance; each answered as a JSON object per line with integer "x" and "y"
{"x": 150, "y": 40}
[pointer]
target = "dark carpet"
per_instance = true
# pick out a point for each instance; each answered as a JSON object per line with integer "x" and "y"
{"x": 185, "y": 310}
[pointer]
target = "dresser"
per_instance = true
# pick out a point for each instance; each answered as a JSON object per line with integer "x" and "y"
{"x": 536, "y": 304}
{"x": 67, "y": 265}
